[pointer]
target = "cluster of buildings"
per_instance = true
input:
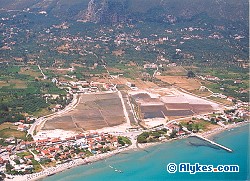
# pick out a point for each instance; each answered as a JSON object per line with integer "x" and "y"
{"x": 86, "y": 87}
{"x": 24, "y": 125}
{"x": 26, "y": 155}
{"x": 227, "y": 117}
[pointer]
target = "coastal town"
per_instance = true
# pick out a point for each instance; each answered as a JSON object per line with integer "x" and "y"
{"x": 47, "y": 153}
{"x": 79, "y": 86}
{"x": 145, "y": 117}
{"x": 142, "y": 117}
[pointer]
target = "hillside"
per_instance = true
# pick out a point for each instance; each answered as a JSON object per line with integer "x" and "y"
{"x": 106, "y": 11}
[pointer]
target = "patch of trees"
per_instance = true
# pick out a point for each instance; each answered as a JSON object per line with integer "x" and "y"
{"x": 190, "y": 74}
{"x": 12, "y": 111}
{"x": 152, "y": 136}
{"x": 124, "y": 140}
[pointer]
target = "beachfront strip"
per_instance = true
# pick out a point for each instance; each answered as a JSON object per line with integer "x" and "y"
{"x": 73, "y": 163}
{"x": 76, "y": 161}
{"x": 36, "y": 156}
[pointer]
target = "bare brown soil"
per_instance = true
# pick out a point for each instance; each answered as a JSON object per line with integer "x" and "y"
{"x": 95, "y": 111}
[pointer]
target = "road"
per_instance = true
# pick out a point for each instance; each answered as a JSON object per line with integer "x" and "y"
{"x": 36, "y": 158}
{"x": 44, "y": 76}
{"x": 124, "y": 109}
{"x": 155, "y": 71}
{"x": 41, "y": 121}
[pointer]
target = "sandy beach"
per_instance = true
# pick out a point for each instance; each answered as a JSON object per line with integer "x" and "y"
{"x": 77, "y": 162}
{"x": 210, "y": 134}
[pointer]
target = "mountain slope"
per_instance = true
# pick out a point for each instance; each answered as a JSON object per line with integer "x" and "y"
{"x": 121, "y": 10}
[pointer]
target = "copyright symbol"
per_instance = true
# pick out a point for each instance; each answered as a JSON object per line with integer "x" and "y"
{"x": 171, "y": 168}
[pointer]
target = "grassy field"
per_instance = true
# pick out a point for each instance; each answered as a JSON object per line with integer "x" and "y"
{"x": 30, "y": 71}
{"x": 201, "y": 93}
{"x": 6, "y": 133}
{"x": 50, "y": 164}
{"x": 7, "y": 125}
{"x": 174, "y": 71}
{"x": 10, "y": 130}
{"x": 15, "y": 83}
{"x": 181, "y": 81}
{"x": 4, "y": 83}
{"x": 37, "y": 166}
{"x": 42, "y": 112}
{"x": 23, "y": 154}
{"x": 223, "y": 101}
{"x": 203, "y": 125}
{"x": 18, "y": 84}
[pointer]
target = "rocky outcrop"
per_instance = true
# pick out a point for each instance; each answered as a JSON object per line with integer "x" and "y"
{"x": 105, "y": 11}
{"x": 95, "y": 11}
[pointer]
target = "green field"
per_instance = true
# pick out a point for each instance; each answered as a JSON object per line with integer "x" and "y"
{"x": 6, "y": 133}
{"x": 21, "y": 92}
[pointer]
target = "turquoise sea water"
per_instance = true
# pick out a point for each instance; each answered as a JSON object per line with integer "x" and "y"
{"x": 151, "y": 164}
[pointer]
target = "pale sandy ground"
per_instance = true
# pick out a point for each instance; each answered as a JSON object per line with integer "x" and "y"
{"x": 57, "y": 133}
{"x": 62, "y": 134}
{"x": 154, "y": 122}
{"x": 118, "y": 129}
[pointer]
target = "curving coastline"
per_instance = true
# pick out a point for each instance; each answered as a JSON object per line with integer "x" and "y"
{"x": 77, "y": 162}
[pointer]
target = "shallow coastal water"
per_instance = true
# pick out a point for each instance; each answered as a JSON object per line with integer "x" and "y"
{"x": 151, "y": 164}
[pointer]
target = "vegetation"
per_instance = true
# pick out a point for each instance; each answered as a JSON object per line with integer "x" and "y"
{"x": 198, "y": 125}
{"x": 173, "y": 134}
{"x": 23, "y": 154}
{"x": 200, "y": 41}
{"x": 124, "y": 140}
{"x": 152, "y": 136}
{"x": 16, "y": 101}
{"x": 6, "y": 133}
{"x": 190, "y": 74}
{"x": 37, "y": 166}
{"x": 227, "y": 84}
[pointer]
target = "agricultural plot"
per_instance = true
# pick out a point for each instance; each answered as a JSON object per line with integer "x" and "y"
{"x": 181, "y": 81}
{"x": 9, "y": 130}
{"x": 174, "y": 71}
{"x": 94, "y": 111}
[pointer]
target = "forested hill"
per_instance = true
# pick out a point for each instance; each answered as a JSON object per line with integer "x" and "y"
{"x": 106, "y": 11}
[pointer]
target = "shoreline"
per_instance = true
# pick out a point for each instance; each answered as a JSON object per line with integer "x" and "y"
{"x": 68, "y": 165}
{"x": 79, "y": 161}
{"x": 212, "y": 133}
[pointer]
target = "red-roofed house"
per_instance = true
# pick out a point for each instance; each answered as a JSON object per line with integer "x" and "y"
{"x": 55, "y": 140}
{"x": 41, "y": 142}
{"x": 62, "y": 157}
{"x": 45, "y": 152}
{"x": 28, "y": 157}
{"x": 181, "y": 133}
{"x": 70, "y": 138}
{"x": 1, "y": 161}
